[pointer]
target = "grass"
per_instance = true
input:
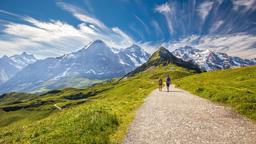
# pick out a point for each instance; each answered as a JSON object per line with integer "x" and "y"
{"x": 22, "y": 116}
{"x": 233, "y": 87}
{"x": 102, "y": 115}
{"x": 22, "y": 106}
{"x": 75, "y": 82}
{"x": 103, "y": 112}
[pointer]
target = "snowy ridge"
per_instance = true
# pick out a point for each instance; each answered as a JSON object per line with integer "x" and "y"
{"x": 9, "y": 66}
{"x": 21, "y": 61}
{"x": 94, "y": 61}
{"x": 133, "y": 55}
{"x": 209, "y": 60}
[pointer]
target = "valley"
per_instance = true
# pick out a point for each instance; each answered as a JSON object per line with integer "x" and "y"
{"x": 103, "y": 112}
{"x": 128, "y": 72}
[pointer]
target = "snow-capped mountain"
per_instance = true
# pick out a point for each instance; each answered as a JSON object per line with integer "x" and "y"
{"x": 9, "y": 66}
{"x": 21, "y": 61}
{"x": 209, "y": 60}
{"x": 132, "y": 56}
{"x": 94, "y": 61}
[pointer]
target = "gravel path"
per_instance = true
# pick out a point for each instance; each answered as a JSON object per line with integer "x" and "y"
{"x": 180, "y": 117}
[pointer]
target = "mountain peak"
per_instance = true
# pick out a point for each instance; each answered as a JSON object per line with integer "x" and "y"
{"x": 25, "y": 57}
{"x": 135, "y": 48}
{"x": 98, "y": 42}
{"x": 25, "y": 54}
{"x": 188, "y": 47}
{"x": 208, "y": 60}
{"x": 163, "y": 57}
{"x": 163, "y": 50}
{"x": 5, "y": 57}
{"x": 161, "y": 53}
{"x": 95, "y": 46}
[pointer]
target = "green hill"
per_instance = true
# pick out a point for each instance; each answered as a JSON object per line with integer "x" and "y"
{"x": 163, "y": 57}
{"x": 233, "y": 87}
{"x": 97, "y": 114}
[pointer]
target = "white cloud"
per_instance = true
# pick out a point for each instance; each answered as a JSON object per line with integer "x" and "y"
{"x": 157, "y": 27}
{"x": 137, "y": 31}
{"x": 242, "y": 45}
{"x": 41, "y": 38}
{"x": 168, "y": 13}
{"x": 127, "y": 39}
{"x": 181, "y": 43}
{"x": 216, "y": 26}
{"x": 163, "y": 8}
{"x": 247, "y": 4}
{"x": 143, "y": 24}
{"x": 41, "y": 31}
{"x": 54, "y": 37}
{"x": 89, "y": 5}
{"x": 114, "y": 37}
{"x": 150, "y": 47}
{"x": 8, "y": 13}
{"x": 204, "y": 9}
{"x": 81, "y": 14}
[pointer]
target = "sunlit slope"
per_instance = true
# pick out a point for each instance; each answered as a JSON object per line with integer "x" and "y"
{"x": 16, "y": 107}
{"x": 163, "y": 57}
{"x": 234, "y": 87}
{"x": 102, "y": 118}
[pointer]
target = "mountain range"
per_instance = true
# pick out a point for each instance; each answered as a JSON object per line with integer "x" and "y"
{"x": 208, "y": 60}
{"x": 95, "y": 61}
{"x": 10, "y": 66}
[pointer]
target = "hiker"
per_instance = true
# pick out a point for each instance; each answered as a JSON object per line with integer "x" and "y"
{"x": 160, "y": 84}
{"x": 168, "y": 82}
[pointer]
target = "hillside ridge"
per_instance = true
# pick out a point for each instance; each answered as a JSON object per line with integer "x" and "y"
{"x": 163, "y": 57}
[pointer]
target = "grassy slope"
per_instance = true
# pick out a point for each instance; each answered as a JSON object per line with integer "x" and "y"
{"x": 30, "y": 107}
{"x": 103, "y": 119}
{"x": 233, "y": 87}
{"x": 14, "y": 117}
{"x": 75, "y": 82}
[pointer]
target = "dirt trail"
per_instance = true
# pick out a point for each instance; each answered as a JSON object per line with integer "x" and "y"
{"x": 180, "y": 117}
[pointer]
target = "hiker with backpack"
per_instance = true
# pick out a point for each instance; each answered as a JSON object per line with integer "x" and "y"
{"x": 168, "y": 82}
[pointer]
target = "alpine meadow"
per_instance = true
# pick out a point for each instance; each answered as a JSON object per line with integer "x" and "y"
{"x": 128, "y": 72}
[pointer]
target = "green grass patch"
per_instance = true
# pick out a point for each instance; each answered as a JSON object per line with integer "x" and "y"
{"x": 233, "y": 87}
{"x": 21, "y": 116}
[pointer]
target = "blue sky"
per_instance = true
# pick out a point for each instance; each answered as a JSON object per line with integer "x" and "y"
{"x": 54, "y": 27}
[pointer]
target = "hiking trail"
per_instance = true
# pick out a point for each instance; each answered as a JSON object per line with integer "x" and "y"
{"x": 180, "y": 117}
